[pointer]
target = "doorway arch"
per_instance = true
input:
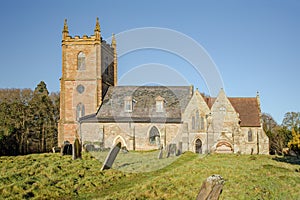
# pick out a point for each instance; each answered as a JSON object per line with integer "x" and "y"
{"x": 198, "y": 146}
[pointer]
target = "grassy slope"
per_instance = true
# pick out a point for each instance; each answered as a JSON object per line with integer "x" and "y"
{"x": 49, "y": 175}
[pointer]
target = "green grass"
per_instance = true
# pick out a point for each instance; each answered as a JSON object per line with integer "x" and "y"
{"x": 51, "y": 176}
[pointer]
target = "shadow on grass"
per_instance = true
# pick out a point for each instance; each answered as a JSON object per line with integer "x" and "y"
{"x": 288, "y": 159}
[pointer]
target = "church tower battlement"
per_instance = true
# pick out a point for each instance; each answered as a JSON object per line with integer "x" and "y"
{"x": 89, "y": 67}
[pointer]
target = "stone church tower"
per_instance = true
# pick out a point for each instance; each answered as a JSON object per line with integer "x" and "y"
{"x": 89, "y": 67}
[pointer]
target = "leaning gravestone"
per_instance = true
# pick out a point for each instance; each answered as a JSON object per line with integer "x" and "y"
{"x": 66, "y": 149}
{"x": 171, "y": 150}
{"x": 160, "y": 154}
{"x": 76, "y": 150}
{"x": 211, "y": 188}
{"x": 111, "y": 157}
{"x": 179, "y": 149}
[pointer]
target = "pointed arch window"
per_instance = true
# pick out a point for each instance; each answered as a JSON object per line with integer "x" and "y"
{"x": 202, "y": 123}
{"x": 250, "y": 136}
{"x": 197, "y": 120}
{"x": 193, "y": 123}
{"x": 80, "y": 111}
{"x": 81, "y": 61}
{"x": 154, "y": 137}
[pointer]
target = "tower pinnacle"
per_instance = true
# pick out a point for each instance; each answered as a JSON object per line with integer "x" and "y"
{"x": 65, "y": 31}
{"x": 97, "y": 29}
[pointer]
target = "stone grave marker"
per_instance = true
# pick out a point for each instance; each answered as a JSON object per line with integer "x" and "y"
{"x": 179, "y": 149}
{"x": 160, "y": 154}
{"x": 76, "y": 154}
{"x": 171, "y": 150}
{"x": 56, "y": 149}
{"x": 66, "y": 148}
{"x": 211, "y": 188}
{"x": 111, "y": 157}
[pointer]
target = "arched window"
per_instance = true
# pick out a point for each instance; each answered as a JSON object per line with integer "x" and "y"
{"x": 193, "y": 122}
{"x": 154, "y": 137}
{"x": 250, "y": 137}
{"x": 202, "y": 123}
{"x": 79, "y": 111}
{"x": 197, "y": 120}
{"x": 198, "y": 146}
{"x": 81, "y": 61}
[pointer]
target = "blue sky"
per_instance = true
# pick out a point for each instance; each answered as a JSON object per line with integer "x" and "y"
{"x": 254, "y": 44}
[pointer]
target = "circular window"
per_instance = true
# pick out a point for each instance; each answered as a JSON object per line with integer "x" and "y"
{"x": 80, "y": 89}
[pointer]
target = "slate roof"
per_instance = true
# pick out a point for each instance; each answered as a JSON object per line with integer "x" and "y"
{"x": 248, "y": 109}
{"x": 175, "y": 100}
{"x": 144, "y": 99}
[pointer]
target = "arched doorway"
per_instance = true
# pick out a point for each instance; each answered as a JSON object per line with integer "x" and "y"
{"x": 198, "y": 146}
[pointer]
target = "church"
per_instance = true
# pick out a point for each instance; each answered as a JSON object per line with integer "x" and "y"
{"x": 96, "y": 110}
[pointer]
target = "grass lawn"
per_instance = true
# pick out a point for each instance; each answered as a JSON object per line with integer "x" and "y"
{"x": 51, "y": 176}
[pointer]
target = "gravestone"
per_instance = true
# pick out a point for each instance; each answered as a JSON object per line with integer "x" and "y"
{"x": 111, "y": 157}
{"x": 179, "y": 149}
{"x": 76, "y": 150}
{"x": 160, "y": 154}
{"x": 66, "y": 148}
{"x": 211, "y": 188}
{"x": 171, "y": 150}
{"x": 89, "y": 147}
{"x": 124, "y": 150}
{"x": 56, "y": 149}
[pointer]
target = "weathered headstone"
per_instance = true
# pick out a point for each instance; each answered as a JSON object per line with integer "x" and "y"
{"x": 211, "y": 188}
{"x": 111, "y": 157}
{"x": 76, "y": 154}
{"x": 179, "y": 149}
{"x": 56, "y": 149}
{"x": 124, "y": 150}
{"x": 160, "y": 154}
{"x": 89, "y": 147}
{"x": 171, "y": 150}
{"x": 66, "y": 148}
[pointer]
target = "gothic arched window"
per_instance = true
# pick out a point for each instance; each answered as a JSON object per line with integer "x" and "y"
{"x": 154, "y": 137}
{"x": 202, "y": 123}
{"x": 250, "y": 136}
{"x": 79, "y": 111}
{"x": 197, "y": 120}
{"x": 193, "y": 122}
{"x": 81, "y": 61}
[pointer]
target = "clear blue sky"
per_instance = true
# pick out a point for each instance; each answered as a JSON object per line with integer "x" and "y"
{"x": 255, "y": 44}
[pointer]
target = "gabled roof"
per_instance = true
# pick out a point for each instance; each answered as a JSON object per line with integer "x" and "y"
{"x": 247, "y": 107}
{"x": 248, "y": 110}
{"x": 144, "y": 99}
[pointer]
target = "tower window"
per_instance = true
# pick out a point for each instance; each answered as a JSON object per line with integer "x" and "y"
{"x": 81, "y": 61}
{"x": 80, "y": 111}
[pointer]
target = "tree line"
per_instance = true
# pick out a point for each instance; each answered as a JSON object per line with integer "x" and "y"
{"x": 28, "y": 120}
{"x": 286, "y": 135}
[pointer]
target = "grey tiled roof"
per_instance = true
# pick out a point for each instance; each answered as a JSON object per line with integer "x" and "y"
{"x": 144, "y": 99}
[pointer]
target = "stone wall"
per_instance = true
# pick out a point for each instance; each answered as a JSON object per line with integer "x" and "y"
{"x": 126, "y": 133}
